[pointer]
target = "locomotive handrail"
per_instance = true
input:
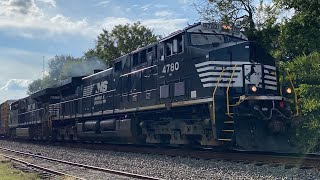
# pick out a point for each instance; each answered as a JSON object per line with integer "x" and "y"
{"x": 228, "y": 88}
{"x": 295, "y": 94}
{"x": 213, "y": 100}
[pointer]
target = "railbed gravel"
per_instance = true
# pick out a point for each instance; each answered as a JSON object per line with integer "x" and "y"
{"x": 166, "y": 167}
{"x": 64, "y": 168}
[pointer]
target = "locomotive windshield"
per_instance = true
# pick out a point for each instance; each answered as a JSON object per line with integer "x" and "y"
{"x": 204, "y": 39}
{"x": 201, "y": 39}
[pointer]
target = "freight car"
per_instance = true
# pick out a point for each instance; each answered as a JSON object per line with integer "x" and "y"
{"x": 205, "y": 85}
{"x": 4, "y": 117}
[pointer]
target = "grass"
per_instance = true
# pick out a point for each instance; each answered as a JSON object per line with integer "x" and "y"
{"x": 7, "y": 172}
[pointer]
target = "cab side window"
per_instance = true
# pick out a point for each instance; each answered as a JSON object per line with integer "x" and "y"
{"x": 161, "y": 51}
{"x": 180, "y": 45}
{"x": 135, "y": 59}
{"x": 169, "y": 48}
{"x": 143, "y": 56}
{"x": 174, "y": 45}
{"x": 118, "y": 66}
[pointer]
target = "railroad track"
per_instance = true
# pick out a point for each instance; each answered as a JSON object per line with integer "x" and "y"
{"x": 303, "y": 161}
{"x": 105, "y": 170}
{"x": 41, "y": 168}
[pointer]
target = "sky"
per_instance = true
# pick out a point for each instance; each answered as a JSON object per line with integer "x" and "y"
{"x": 33, "y": 30}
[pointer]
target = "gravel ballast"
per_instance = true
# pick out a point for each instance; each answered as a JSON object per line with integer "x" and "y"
{"x": 162, "y": 166}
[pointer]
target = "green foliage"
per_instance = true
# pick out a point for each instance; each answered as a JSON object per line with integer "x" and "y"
{"x": 309, "y": 99}
{"x": 311, "y": 6}
{"x": 306, "y": 72}
{"x": 8, "y": 172}
{"x": 305, "y": 69}
{"x": 300, "y": 35}
{"x": 35, "y": 86}
{"x": 121, "y": 40}
{"x": 228, "y": 11}
{"x": 308, "y": 128}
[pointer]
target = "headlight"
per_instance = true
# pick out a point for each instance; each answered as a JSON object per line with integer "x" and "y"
{"x": 289, "y": 90}
{"x": 253, "y": 88}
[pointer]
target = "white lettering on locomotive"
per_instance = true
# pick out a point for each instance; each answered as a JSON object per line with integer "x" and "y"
{"x": 55, "y": 97}
{"x": 99, "y": 100}
{"x": 97, "y": 88}
{"x": 170, "y": 67}
{"x": 101, "y": 87}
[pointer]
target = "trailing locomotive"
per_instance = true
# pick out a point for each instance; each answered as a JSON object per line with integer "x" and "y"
{"x": 205, "y": 85}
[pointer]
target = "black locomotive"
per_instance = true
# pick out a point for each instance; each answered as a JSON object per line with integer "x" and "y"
{"x": 206, "y": 85}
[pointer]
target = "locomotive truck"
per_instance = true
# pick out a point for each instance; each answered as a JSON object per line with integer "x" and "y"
{"x": 203, "y": 86}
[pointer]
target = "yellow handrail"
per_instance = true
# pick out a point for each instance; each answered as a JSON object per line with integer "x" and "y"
{"x": 295, "y": 94}
{"x": 228, "y": 88}
{"x": 213, "y": 103}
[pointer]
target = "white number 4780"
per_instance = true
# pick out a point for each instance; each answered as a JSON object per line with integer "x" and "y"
{"x": 171, "y": 67}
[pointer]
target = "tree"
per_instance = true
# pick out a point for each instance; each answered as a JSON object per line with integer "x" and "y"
{"x": 228, "y": 11}
{"x": 305, "y": 69}
{"x": 35, "y": 86}
{"x": 305, "y": 72}
{"x": 121, "y": 40}
{"x": 311, "y": 6}
{"x": 301, "y": 34}
{"x": 56, "y": 65}
{"x": 267, "y": 28}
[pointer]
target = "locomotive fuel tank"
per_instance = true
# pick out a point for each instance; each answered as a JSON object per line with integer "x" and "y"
{"x": 23, "y": 132}
{"x": 91, "y": 125}
{"x": 108, "y": 125}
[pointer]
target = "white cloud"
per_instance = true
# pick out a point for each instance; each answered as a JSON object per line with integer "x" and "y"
{"x": 14, "y": 89}
{"x": 159, "y": 25}
{"x": 19, "y": 68}
{"x": 20, "y": 64}
{"x": 13, "y": 8}
{"x": 102, "y": 4}
{"x": 146, "y": 7}
{"x": 49, "y": 2}
{"x": 110, "y": 22}
{"x": 26, "y": 19}
{"x": 62, "y": 24}
{"x": 163, "y": 13}
{"x": 165, "y": 25}
{"x": 16, "y": 84}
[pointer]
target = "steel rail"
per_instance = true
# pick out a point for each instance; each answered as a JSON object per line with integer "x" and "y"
{"x": 111, "y": 171}
{"x": 51, "y": 171}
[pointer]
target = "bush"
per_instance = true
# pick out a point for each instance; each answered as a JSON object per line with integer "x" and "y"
{"x": 305, "y": 71}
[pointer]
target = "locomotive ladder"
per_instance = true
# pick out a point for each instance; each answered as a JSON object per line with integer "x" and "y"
{"x": 228, "y": 124}
{"x": 213, "y": 123}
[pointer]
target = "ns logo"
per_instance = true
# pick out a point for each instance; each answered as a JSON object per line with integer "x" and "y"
{"x": 100, "y": 87}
